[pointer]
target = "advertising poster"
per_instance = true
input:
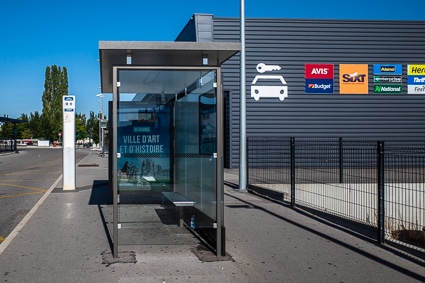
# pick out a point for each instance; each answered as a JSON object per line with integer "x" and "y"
{"x": 353, "y": 79}
{"x": 416, "y": 79}
{"x": 319, "y": 78}
{"x": 144, "y": 149}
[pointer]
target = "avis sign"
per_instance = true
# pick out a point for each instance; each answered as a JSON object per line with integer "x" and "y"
{"x": 319, "y": 78}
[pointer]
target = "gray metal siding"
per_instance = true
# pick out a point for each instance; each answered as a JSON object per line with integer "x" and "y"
{"x": 293, "y": 43}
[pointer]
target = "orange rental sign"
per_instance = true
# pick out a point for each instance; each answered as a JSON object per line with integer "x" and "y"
{"x": 353, "y": 79}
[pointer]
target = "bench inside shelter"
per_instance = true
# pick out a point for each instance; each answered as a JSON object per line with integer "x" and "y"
{"x": 179, "y": 200}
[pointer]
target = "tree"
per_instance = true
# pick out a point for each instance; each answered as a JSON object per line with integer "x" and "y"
{"x": 55, "y": 87}
{"x": 35, "y": 125}
{"x": 92, "y": 126}
{"x": 22, "y": 129}
{"x": 6, "y": 130}
{"x": 80, "y": 126}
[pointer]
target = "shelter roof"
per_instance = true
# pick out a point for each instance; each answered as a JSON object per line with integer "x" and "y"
{"x": 6, "y": 119}
{"x": 173, "y": 54}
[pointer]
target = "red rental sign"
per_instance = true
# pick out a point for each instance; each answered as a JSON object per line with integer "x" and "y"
{"x": 319, "y": 71}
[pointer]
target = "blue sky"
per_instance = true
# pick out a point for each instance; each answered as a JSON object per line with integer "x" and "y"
{"x": 36, "y": 34}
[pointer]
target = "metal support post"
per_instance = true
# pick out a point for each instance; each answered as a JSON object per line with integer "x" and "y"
{"x": 242, "y": 122}
{"x": 292, "y": 140}
{"x": 381, "y": 193}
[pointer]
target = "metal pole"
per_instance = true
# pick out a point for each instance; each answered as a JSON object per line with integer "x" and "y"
{"x": 341, "y": 161}
{"x": 292, "y": 145}
{"x": 381, "y": 192}
{"x": 219, "y": 169}
{"x": 242, "y": 122}
{"x": 115, "y": 162}
{"x": 102, "y": 129}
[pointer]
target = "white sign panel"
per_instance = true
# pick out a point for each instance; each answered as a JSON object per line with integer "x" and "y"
{"x": 265, "y": 89}
{"x": 68, "y": 107}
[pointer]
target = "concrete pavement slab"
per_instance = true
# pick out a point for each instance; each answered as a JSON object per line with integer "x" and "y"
{"x": 67, "y": 240}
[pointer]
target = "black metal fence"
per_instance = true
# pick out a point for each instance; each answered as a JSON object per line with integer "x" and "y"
{"x": 375, "y": 188}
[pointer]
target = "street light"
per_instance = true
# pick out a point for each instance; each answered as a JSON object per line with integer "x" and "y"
{"x": 100, "y": 124}
{"x": 242, "y": 106}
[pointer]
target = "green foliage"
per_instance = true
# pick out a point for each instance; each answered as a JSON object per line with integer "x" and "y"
{"x": 80, "y": 127}
{"x": 6, "y": 131}
{"x": 55, "y": 87}
{"x": 35, "y": 125}
{"x": 92, "y": 126}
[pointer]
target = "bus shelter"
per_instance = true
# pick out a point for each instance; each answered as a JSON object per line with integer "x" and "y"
{"x": 166, "y": 138}
{"x": 11, "y": 143}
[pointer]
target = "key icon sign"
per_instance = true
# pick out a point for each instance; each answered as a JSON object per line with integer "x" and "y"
{"x": 262, "y": 68}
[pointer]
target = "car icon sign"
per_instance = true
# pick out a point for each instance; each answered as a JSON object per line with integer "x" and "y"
{"x": 262, "y": 91}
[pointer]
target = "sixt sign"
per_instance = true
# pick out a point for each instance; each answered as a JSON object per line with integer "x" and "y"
{"x": 353, "y": 79}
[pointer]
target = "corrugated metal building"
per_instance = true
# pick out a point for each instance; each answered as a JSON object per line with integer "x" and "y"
{"x": 293, "y": 43}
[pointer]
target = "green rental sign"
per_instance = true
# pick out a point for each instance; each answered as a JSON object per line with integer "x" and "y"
{"x": 387, "y": 89}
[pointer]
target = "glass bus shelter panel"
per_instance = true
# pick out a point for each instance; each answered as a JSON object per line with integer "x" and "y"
{"x": 195, "y": 140}
{"x": 164, "y": 144}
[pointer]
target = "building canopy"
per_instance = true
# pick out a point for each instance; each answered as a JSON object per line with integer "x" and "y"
{"x": 15, "y": 121}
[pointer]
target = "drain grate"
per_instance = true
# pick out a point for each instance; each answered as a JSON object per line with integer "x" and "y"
{"x": 88, "y": 165}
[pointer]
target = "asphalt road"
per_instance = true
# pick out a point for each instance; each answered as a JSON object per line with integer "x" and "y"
{"x": 24, "y": 178}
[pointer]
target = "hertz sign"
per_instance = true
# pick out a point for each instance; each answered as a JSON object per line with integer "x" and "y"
{"x": 416, "y": 79}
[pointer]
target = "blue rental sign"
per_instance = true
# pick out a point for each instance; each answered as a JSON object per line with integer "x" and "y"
{"x": 313, "y": 86}
{"x": 387, "y": 69}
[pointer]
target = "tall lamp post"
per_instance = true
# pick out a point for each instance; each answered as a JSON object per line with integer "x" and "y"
{"x": 101, "y": 137}
{"x": 242, "y": 105}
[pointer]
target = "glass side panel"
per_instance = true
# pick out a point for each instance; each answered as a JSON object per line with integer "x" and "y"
{"x": 195, "y": 145}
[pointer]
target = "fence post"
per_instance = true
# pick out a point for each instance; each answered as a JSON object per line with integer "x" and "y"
{"x": 381, "y": 196}
{"x": 247, "y": 162}
{"x": 341, "y": 162}
{"x": 292, "y": 140}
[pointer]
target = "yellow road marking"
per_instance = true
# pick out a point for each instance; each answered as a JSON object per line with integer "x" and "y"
{"x": 2, "y": 239}
{"x": 24, "y": 187}
{"x": 31, "y": 173}
{"x": 27, "y": 180}
{"x": 20, "y": 195}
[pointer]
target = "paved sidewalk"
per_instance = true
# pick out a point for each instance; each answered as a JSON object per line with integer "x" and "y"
{"x": 65, "y": 241}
